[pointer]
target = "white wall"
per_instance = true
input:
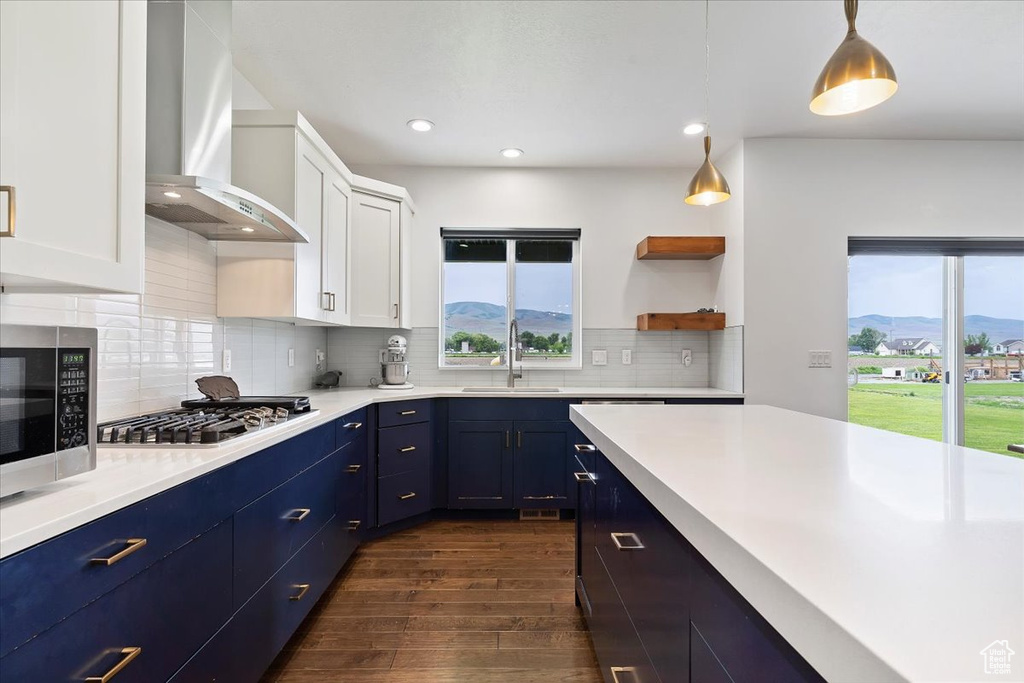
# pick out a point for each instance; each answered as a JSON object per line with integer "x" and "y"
{"x": 244, "y": 94}
{"x": 804, "y": 198}
{"x": 727, "y": 220}
{"x": 614, "y": 208}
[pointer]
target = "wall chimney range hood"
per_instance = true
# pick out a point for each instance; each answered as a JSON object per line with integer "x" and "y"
{"x": 188, "y": 128}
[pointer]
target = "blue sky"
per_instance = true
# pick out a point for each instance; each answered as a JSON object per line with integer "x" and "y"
{"x": 539, "y": 286}
{"x": 912, "y": 285}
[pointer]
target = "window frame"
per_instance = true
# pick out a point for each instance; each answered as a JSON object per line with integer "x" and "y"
{"x": 575, "y": 360}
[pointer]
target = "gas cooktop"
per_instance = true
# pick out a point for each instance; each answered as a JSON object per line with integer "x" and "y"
{"x": 204, "y": 422}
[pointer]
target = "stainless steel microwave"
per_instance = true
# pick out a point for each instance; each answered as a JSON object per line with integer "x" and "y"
{"x": 47, "y": 405}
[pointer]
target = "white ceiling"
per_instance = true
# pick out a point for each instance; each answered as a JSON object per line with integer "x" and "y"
{"x": 612, "y": 83}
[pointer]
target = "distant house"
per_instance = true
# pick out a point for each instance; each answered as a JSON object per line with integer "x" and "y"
{"x": 908, "y": 346}
{"x": 1009, "y": 347}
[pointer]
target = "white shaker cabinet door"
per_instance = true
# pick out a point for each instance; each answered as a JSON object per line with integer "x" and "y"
{"x": 338, "y": 210}
{"x": 311, "y": 171}
{"x": 375, "y": 261}
{"x": 72, "y": 145}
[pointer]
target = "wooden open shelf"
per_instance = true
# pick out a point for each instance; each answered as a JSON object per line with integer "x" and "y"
{"x": 667, "y": 248}
{"x": 680, "y": 321}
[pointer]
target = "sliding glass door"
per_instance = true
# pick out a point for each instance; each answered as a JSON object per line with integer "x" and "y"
{"x": 933, "y": 333}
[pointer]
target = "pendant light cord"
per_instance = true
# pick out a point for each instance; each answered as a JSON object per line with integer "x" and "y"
{"x": 707, "y": 67}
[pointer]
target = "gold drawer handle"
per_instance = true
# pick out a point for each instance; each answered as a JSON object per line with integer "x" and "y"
{"x": 128, "y": 654}
{"x": 303, "y": 513}
{"x": 352, "y": 425}
{"x": 352, "y": 469}
{"x": 11, "y": 213}
{"x": 616, "y": 670}
{"x": 303, "y": 587}
{"x": 407, "y": 412}
{"x": 582, "y": 477}
{"x": 543, "y": 497}
{"x": 635, "y": 545}
{"x": 133, "y": 545}
{"x": 407, "y": 496}
{"x": 353, "y": 524}
{"x": 584, "y": 448}
{"x": 407, "y": 449}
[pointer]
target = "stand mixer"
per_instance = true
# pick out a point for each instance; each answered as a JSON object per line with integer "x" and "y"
{"x": 394, "y": 368}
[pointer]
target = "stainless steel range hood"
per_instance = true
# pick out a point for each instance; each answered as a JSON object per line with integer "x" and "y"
{"x": 188, "y": 128}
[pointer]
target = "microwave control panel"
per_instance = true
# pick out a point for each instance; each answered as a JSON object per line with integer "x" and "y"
{"x": 73, "y": 369}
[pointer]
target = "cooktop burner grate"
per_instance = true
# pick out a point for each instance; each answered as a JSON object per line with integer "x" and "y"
{"x": 193, "y": 426}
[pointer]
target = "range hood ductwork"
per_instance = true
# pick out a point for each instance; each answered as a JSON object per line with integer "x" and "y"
{"x": 188, "y": 128}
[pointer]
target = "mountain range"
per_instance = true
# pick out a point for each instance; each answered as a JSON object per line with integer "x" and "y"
{"x": 997, "y": 329}
{"x": 477, "y": 316}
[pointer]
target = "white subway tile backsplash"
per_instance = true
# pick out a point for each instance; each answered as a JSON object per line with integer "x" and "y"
{"x": 153, "y": 347}
{"x": 726, "y": 359}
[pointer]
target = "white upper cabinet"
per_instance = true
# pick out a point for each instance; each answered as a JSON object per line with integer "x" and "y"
{"x": 376, "y": 261}
{"x": 72, "y": 145}
{"x": 278, "y": 156}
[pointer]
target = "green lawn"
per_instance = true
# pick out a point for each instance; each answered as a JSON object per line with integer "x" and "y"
{"x": 994, "y": 414}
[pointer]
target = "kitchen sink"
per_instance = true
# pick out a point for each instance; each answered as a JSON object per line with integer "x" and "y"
{"x": 511, "y": 390}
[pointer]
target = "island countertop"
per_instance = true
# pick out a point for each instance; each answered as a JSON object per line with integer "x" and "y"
{"x": 878, "y": 556}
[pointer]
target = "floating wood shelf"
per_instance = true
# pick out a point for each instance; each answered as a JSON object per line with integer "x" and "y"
{"x": 680, "y": 248}
{"x": 680, "y": 321}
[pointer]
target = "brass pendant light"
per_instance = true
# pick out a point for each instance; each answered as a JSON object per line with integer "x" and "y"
{"x": 708, "y": 185}
{"x": 856, "y": 77}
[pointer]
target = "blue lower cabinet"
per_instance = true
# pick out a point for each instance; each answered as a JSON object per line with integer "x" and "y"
{"x": 352, "y": 508}
{"x": 704, "y": 665}
{"x": 544, "y": 464}
{"x": 271, "y": 529}
{"x": 480, "y": 464}
{"x": 401, "y": 496}
{"x": 243, "y": 649}
{"x": 151, "y": 624}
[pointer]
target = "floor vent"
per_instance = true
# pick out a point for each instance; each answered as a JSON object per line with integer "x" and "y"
{"x": 553, "y": 515}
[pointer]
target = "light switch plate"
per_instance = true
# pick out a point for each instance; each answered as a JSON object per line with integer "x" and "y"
{"x": 627, "y": 356}
{"x": 291, "y": 358}
{"x": 226, "y": 361}
{"x": 819, "y": 359}
{"x": 687, "y": 357}
{"x": 599, "y": 357}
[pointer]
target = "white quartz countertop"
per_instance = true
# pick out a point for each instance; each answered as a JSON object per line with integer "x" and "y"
{"x": 124, "y": 476}
{"x": 878, "y": 556}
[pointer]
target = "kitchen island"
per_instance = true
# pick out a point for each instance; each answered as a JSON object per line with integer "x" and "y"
{"x": 876, "y": 556}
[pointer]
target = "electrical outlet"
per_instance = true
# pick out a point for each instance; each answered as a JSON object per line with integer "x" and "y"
{"x": 320, "y": 358}
{"x": 599, "y": 358}
{"x": 291, "y": 358}
{"x": 627, "y": 357}
{"x": 687, "y": 357}
{"x": 819, "y": 359}
{"x": 226, "y": 361}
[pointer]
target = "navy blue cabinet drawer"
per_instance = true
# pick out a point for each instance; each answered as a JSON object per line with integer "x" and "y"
{"x": 158, "y": 619}
{"x": 271, "y": 529}
{"x": 350, "y": 427}
{"x": 403, "y": 412}
{"x": 544, "y": 464}
{"x": 402, "y": 495}
{"x": 508, "y": 409}
{"x": 245, "y": 647}
{"x": 45, "y": 583}
{"x": 265, "y": 470}
{"x": 352, "y": 504}
{"x": 402, "y": 449}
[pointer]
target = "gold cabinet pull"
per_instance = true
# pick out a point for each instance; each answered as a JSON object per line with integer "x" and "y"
{"x": 11, "y": 213}
{"x": 127, "y": 655}
{"x": 584, "y": 448}
{"x": 407, "y": 412}
{"x": 353, "y": 524}
{"x": 133, "y": 544}
{"x": 617, "y": 671}
{"x": 303, "y": 587}
{"x": 302, "y": 513}
{"x": 543, "y": 497}
{"x": 352, "y": 469}
{"x": 352, "y": 425}
{"x": 582, "y": 477}
{"x": 634, "y": 545}
{"x": 407, "y": 449}
{"x": 396, "y": 311}
{"x": 407, "y": 496}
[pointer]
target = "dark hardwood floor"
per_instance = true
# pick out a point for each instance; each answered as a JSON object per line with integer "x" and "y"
{"x": 449, "y": 602}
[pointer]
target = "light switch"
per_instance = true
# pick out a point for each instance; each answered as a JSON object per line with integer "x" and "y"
{"x": 291, "y": 358}
{"x": 599, "y": 357}
{"x": 687, "y": 357}
{"x": 226, "y": 361}
{"x": 627, "y": 356}
{"x": 819, "y": 359}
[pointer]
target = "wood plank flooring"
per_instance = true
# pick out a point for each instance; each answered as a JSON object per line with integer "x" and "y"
{"x": 449, "y": 602}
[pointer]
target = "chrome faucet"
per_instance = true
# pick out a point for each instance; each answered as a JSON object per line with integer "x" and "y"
{"x": 514, "y": 353}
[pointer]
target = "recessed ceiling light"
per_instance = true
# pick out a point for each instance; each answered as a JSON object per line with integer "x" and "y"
{"x": 511, "y": 153}
{"x": 694, "y": 129}
{"x": 172, "y": 195}
{"x": 420, "y": 125}
{"x": 248, "y": 229}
